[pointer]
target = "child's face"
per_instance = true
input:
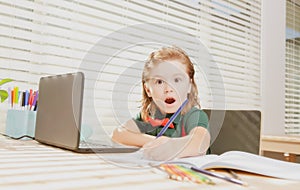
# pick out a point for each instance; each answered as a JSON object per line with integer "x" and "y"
{"x": 169, "y": 85}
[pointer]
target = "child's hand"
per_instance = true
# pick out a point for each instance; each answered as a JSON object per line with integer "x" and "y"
{"x": 162, "y": 148}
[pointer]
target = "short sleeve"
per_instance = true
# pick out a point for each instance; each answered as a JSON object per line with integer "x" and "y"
{"x": 194, "y": 118}
{"x": 143, "y": 126}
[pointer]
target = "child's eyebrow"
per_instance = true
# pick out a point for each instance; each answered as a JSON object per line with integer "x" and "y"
{"x": 156, "y": 76}
{"x": 179, "y": 74}
{"x": 175, "y": 74}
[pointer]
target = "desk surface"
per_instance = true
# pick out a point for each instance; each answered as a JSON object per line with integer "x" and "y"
{"x": 27, "y": 164}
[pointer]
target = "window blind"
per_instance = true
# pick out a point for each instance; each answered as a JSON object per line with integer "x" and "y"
{"x": 110, "y": 40}
{"x": 292, "y": 80}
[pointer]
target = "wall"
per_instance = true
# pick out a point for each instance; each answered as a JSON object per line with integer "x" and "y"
{"x": 273, "y": 66}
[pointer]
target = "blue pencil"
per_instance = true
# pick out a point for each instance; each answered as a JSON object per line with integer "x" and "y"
{"x": 172, "y": 119}
{"x": 232, "y": 180}
{"x": 26, "y": 99}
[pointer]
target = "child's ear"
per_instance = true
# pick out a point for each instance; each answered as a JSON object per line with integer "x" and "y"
{"x": 147, "y": 90}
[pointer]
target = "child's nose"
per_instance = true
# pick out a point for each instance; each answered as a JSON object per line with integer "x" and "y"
{"x": 168, "y": 88}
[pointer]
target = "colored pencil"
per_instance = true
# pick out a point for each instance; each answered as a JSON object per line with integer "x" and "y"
{"x": 180, "y": 173}
{"x": 213, "y": 174}
{"x": 163, "y": 130}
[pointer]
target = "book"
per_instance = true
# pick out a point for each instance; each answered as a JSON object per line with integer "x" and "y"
{"x": 237, "y": 160}
{"x": 247, "y": 162}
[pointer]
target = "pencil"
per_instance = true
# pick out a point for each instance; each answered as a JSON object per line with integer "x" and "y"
{"x": 232, "y": 180}
{"x": 179, "y": 172}
{"x": 163, "y": 130}
{"x": 233, "y": 174}
{"x": 197, "y": 177}
{"x": 172, "y": 174}
{"x": 187, "y": 175}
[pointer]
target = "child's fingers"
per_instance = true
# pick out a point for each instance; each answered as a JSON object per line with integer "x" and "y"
{"x": 156, "y": 142}
{"x": 155, "y": 149}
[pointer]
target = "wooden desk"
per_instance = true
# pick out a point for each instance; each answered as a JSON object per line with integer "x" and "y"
{"x": 282, "y": 144}
{"x": 26, "y": 164}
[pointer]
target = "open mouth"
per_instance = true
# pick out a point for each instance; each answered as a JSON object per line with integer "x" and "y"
{"x": 170, "y": 100}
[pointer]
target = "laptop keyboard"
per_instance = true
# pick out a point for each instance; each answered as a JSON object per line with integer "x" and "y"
{"x": 84, "y": 144}
{"x": 96, "y": 144}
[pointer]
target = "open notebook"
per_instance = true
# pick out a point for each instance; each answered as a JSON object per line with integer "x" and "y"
{"x": 59, "y": 116}
{"x": 238, "y": 160}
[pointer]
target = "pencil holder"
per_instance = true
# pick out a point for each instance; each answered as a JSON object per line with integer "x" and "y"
{"x": 86, "y": 132}
{"x": 20, "y": 122}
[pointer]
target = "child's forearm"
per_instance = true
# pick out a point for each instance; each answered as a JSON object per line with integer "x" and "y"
{"x": 196, "y": 143}
{"x": 164, "y": 148}
{"x": 124, "y": 136}
{"x": 129, "y": 134}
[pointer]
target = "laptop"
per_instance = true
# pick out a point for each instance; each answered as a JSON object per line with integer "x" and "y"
{"x": 234, "y": 130}
{"x": 59, "y": 116}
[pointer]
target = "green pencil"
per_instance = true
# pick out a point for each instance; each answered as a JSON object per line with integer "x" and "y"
{"x": 197, "y": 175}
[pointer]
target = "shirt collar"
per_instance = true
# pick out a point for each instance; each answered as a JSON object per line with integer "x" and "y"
{"x": 159, "y": 115}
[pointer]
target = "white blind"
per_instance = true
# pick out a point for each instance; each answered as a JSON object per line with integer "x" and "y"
{"x": 109, "y": 41}
{"x": 292, "y": 81}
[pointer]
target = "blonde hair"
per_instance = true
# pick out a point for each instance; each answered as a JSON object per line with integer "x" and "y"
{"x": 162, "y": 55}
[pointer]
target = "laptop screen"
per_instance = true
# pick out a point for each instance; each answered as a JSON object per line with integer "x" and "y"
{"x": 59, "y": 110}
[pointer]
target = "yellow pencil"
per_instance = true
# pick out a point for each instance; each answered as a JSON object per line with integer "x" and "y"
{"x": 172, "y": 173}
{"x": 196, "y": 176}
{"x": 179, "y": 172}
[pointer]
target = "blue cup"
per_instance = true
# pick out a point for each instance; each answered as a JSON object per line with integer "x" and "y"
{"x": 86, "y": 132}
{"x": 20, "y": 122}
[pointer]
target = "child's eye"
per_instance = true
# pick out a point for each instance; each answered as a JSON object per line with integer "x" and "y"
{"x": 159, "y": 81}
{"x": 177, "y": 80}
